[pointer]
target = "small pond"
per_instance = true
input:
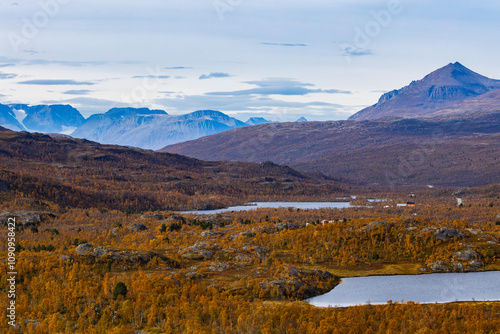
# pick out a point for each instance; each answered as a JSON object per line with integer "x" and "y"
{"x": 428, "y": 288}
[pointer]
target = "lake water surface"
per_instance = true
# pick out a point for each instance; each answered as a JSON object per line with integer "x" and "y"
{"x": 257, "y": 205}
{"x": 428, "y": 288}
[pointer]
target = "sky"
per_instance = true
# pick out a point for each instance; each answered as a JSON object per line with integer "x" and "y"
{"x": 281, "y": 60}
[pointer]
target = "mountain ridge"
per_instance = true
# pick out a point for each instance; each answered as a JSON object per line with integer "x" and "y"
{"x": 445, "y": 150}
{"x": 437, "y": 91}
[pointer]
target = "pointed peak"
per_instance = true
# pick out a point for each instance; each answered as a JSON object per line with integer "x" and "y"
{"x": 453, "y": 67}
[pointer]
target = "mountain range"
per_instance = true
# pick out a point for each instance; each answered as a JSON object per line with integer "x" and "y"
{"x": 136, "y": 127}
{"x": 452, "y": 90}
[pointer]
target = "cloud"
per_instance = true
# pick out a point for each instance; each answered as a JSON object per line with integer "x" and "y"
{"x": 178, "y": 68}
{"x": 90, "y": 101}
{"x": 245, "y": 106}
{"x": 214, "y": 75}
{"x": 350, "y": 51}
{"x": 282, "y": 44}
{"x": 49, "y": 82}
{"x": 31, "y": 52}
{"x": 7, "y": 75}
{"x": 279, "y": 86}
{"x": 6, "y": 65}
{"x": 151, "y": 77}
{"x": 70, "y": 63}
{"x": 88, "y": 105}
{"x": 78, "y": 92}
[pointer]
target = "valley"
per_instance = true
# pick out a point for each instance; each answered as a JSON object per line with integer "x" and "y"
{"x": 121, "y": 239}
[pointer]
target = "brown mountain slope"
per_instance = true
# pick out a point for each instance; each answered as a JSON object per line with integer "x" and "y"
{"x": 80, "y": 173}
{"x": 434, "y": 95}
{"x": 388, "y": 152}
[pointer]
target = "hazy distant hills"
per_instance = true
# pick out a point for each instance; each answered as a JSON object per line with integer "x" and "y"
{"x": 436, "y": 151}
{"x": 40, "y": 118}
{"x": 452, "y": 89}
{"x": 153, "y": 129}
{"x": 8, "y": 119}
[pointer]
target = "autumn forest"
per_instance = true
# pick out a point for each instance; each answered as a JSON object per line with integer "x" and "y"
{"x": 103, "y": 246}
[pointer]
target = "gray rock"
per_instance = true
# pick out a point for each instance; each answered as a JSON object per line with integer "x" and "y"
{"x": 210, "y": 234}
{"x": 247, "y": 234}
{"x": 198, "y": 255}
{"x": 445, "y": 234}
{"x": 101, "y": 251}
{"x": 194, "y": 275}
{"x": 152, "y": 216}
{"x": 457, "y": 266}
{"x": 439, "y": 266}
{"x": 376, "y": 224}
{"x": 475, "y": 264}
{"x": 84, "y": 249}
{"x": 467, "y": 255}
{"x": 199, "y": 251}
{"x": 289, "y": 226}
{"x": 65, "y": 258}
{"x": 217, "y": 266}
{"x": 137, "y": 227}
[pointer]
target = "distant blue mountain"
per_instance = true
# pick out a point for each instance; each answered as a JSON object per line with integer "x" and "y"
{"x": 257, "y": 121}
{"x": 8, "y": 119}
{"x": 302, "y": 119}
{"x": 153, "y": 129}
{"x": 48, "y": 118}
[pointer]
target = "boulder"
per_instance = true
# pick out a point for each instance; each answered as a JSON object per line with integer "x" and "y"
{"x": 137, "y": 227}
{"x": 445, "y": 234}
{"x": 84, "y": 249}
{"x": 198, "y": 255}
{"x": 439, "y": 266}
{"x": 156, "y": 216}
{"x": 199, "y": 251}
{"x": 467, "y": 255}
{"x": 457, "y": 266}
{"x": 475, "y": 264}
{"x": 247, "y": 234}
{"x": 217, "y": 266}
{"x": 65, "y": 258}
{"x": 287, "y": 226}
{"x": 376, "y": 224}
{"x": 210, "y": 234}
{"x": 101, "y": 251}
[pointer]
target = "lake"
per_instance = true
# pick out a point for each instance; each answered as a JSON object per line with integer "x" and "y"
{"x": 428, "y": 288}
{"x": 257, "y": 205}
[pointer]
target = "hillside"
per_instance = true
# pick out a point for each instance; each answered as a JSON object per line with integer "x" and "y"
{"x": 437, "y": 151}
{"x": 80, "y": 173}
{"x": 436, "y": 94}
